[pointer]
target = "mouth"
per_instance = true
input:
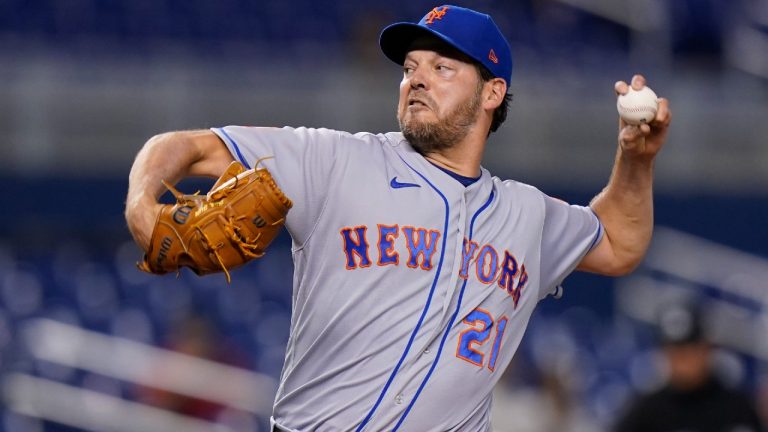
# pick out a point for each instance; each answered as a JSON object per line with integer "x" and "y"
{"x": 417, "y": 103}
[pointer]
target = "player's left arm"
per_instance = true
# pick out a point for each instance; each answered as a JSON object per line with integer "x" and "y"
{"x": 625, "y": 206}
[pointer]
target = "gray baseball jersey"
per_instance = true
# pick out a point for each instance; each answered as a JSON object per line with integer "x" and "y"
{"x": 411, "y": 292}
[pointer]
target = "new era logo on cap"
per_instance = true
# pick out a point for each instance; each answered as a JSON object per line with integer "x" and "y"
{"x": 473, "y": 33}
{"x": 492, "y": 56}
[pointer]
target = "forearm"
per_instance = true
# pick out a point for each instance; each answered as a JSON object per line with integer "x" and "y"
{"x": 163, "y": 157}
{"x": 170, "y": 157}
{"x": 625, "y": 208}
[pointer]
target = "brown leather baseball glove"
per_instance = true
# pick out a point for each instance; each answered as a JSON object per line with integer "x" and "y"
{"x": 229, "y": 226}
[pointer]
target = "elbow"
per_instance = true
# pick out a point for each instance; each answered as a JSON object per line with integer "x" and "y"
{"x": 183, "y": 144}
{"x": 623, "y": 266}
{"x": 165, "y": 137}
{"x": 157, "y": 142}
{"x": 620, "y": 270}
{"x": 618, "y": 256}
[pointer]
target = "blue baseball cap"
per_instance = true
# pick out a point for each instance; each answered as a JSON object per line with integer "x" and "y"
{"x": 472, "y": 33}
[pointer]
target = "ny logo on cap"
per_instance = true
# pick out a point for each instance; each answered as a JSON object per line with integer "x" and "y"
{"x": 435, "y": 14}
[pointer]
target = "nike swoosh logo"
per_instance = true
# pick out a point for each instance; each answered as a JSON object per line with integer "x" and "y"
{"x": 397, "y": 185}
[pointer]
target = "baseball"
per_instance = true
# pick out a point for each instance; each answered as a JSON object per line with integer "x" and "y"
{"x": 638, "y": 106}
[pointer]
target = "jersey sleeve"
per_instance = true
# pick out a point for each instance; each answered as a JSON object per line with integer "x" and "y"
{"x": 569, "y": 233}
{"x": 299, "y": 159}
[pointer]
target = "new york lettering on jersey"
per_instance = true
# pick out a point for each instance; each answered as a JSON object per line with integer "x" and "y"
{"x": 488, "y": 265}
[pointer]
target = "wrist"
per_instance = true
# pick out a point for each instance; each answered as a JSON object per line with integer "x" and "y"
{"x": 140, "y": 215}
{"x": 636, "y": 160}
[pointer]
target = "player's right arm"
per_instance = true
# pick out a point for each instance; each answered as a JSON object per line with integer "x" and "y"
{"x": 170, "y": 156}
{"x": 625, "y": 206}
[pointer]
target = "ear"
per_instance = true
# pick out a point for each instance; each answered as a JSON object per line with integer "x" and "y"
{"x": 493, "y": 93}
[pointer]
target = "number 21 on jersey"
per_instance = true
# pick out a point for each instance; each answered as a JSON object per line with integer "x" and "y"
{"x": 472, "y": 341}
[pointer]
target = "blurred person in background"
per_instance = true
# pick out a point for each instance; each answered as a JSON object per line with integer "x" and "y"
{"x": 762, "y": 398}
{"x": 693, "y": 398}
{"x": 196, "y": 336}
{"x": 547, "y": 405}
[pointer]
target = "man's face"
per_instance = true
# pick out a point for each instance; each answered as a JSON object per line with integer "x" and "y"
{"x": 440, "y": 99}
{"x": 689, "y": 364}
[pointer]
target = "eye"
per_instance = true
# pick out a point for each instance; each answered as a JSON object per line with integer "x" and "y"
{"x": 407, "y": 70}
{"x": 442, "y": 68}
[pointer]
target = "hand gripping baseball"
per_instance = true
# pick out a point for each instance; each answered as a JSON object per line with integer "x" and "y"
{"x": 229, "y": 226}
{"x": 637, "y": 138}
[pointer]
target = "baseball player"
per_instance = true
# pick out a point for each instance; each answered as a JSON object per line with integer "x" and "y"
{"x": 416, "y": 270}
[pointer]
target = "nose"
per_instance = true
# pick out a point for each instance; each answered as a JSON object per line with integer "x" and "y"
{"x": 418, "y": 79}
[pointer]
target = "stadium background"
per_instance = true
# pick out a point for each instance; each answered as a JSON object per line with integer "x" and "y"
{"x": 89, "y": 343}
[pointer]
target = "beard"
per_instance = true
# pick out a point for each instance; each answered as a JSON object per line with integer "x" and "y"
{"x": 428, "y": 137}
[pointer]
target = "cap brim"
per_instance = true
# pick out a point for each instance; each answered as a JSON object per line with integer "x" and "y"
{"x": 395, "y": 40}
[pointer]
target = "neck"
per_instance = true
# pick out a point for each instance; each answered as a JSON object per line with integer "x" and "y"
{"x": 463, "y": 158}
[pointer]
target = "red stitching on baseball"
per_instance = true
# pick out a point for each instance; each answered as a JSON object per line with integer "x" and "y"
{"x": 636, "y": 109}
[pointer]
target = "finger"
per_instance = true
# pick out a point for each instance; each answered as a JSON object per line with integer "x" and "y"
{"x": 630, "y": 133}
{"x": 620, "y": 88}
{"x": 638, "y": 82}
{"x": 645, "y": 129}
{"x": 663, "y": 114}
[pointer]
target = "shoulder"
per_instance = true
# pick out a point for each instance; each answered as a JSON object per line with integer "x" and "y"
{"x": 734, "y": 396}
{"x": 370, "y": 147}
{"x": 314, "y": 134}
{"x": 341, "y": 139}
{"x": 338, "y": 136}
{"x": 519, "y": 190}
{"x": 645, "y": 404}
{"x": 391, "y": 139}
{"x": 271, "y": 133}
{"x": 514, "y": 185}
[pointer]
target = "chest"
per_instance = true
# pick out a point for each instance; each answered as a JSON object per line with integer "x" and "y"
{"x": 402, "y": 223}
